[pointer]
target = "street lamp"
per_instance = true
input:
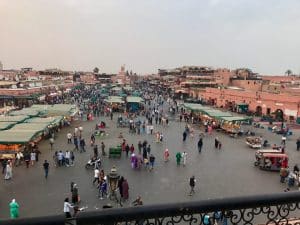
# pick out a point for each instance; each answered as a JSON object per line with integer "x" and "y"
{"x": 113, "y": 178}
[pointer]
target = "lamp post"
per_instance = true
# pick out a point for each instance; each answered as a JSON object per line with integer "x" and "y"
{"x": 113, "y": 178}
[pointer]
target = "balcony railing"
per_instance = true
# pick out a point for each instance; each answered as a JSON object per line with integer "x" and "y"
{"x": 283, "y": 208}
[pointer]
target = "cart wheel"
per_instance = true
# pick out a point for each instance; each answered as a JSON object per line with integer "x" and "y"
{"x": 256, "y": 163}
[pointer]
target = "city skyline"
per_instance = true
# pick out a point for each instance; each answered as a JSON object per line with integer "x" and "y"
{"x": 148, "y": 35}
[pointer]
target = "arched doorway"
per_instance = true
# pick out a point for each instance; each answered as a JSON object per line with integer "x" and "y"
{"x": 258, "y": 111}
{"x": 279, "y": 116}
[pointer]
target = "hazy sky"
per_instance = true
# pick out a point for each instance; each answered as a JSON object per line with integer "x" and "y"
{"x": 149, "y": 34}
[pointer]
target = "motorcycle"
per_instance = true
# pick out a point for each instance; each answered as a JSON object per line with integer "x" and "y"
{"x": 93, "y": 163}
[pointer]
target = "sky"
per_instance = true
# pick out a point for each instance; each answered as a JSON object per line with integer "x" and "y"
{"x": 146, "y": 35}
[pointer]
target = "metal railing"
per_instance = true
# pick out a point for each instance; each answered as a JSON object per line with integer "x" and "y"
{"x": 283, "y": 208}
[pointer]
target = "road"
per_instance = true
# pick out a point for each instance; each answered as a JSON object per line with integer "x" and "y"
{"x": 219, "y": 173}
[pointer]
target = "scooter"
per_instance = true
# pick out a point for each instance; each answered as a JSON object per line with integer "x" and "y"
{"x": 92, "y": 164}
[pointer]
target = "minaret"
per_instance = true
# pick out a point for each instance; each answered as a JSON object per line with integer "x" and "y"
{"x": 1, "y": 66}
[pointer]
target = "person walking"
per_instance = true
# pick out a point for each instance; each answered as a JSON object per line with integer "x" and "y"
{"x": 103, "y": 189}
{"x": 103, "y": 149}
{"x": 127, "y": 148}
{"x": 72, "y": 157}
{"x": 120, "y": 186}
{"x": 151, "y": 160}
{"x": 75, "y": 140}
{"x": 184, "y": 135}
{"x": 283, "y": 140}
{"x": 4, "y": 163}
{"x": 67, "y": 207}
{"x": 82, "y": 145}
{"x": 67, "y": 158}
{"x": 125, "y": 189}
{"x": 69, "y": 137}
{"x": 192, "y": 185}
{"x": 200, "y": 144}
{"x": 51, "y": 140}
{"x": 216, "y": 142}
{"x": 178, "y": 158}
{"x": 166, "y": 155}
{"x": 27, "y": 159}
{"x": 32, "y": 157}
{"x": 184, "y": 158}
{"x": 95, "y": 150}
{"x": 14, "y": 209}
{"x": 46, "y": 168}
{"x": 298, "y": 144}
{"x": 8, "y": 171}
{"x": 140, "y": 147}
{"x": 96, "y": 176}
{"x": 74, "y": 194}
{"x": 131, "y": 149}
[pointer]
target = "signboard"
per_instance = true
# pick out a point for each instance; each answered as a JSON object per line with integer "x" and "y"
{"x": 290, "y": 112}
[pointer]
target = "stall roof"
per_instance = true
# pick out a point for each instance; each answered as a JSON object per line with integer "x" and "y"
{"x": 235, "y": 118}
{"x": 17, "y": 136}
{"x": 195, "y": 107}
{"x": 48, "y": 120}
{"x": 134, "y": 99}
{"x": 25, "y": 111}
{"x": 17, "y": 119}
{"x": 6, "y": 125}
{"x": 128, "y": 88}
{"x": 114, "y": 99}
{"x": 116, "y": 89}
{"x": 56, "y": 109}
{"x": 37, "y": 127}
{"x": 217, "y": 113}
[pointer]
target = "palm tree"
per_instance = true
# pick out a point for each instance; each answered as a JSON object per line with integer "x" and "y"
{"x": 96, "y": 70}
{"x": 288, "y": 72}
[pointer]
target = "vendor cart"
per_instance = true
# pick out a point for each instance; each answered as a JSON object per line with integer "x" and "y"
{"x": 254, "y": 142}
{"x": 115, "y": 152}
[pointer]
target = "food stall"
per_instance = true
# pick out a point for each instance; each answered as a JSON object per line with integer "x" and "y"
{"x": 12, "y": 141}
{"x": 232, "y": 124}
{"x": 116, "y": 103}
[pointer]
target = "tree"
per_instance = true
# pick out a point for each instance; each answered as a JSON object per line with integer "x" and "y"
{"x": 288, "y": 72}
{"x": 96, "y": 70}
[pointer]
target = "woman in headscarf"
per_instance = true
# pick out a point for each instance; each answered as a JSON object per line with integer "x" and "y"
{"x": 8, "y": 173}
{"x": 14, "y": 209}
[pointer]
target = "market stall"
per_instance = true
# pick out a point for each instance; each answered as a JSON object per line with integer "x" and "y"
{"x": 12, "y": 141}
{"x": 116, "y": 103}
{"x": 232, "y": 124}
{"x": 134, "y": 103}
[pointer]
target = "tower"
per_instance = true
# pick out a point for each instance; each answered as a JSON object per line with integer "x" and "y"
{"x": 1, "y": 66}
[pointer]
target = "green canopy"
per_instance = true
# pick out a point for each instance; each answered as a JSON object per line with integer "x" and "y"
{"x": 114, "y": 99}
{"x": 235, "y": 118}
{"x": 48, "y": 120}
{"x": 56, "y": 109}
{"x": 134, "y": 99}
{"x": 217, "y": 113}
{"x": 6, "y": 125}
{"x": 17, "y": 136}
{"x": 17, "y": 119}
{"x": 196, "y": 107}
{"x": 37, "y": 127}
{"x": 25, "y": 111}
